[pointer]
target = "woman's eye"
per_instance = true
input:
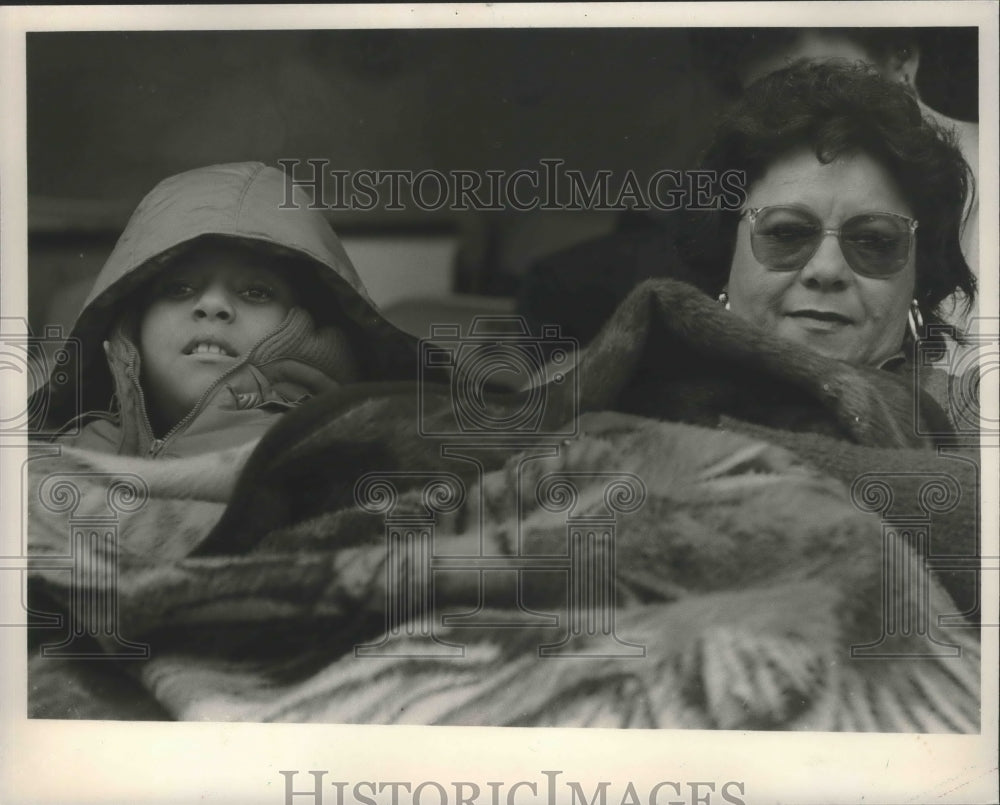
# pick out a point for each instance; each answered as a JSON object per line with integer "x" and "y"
{"x": 790, "y": 232}
{"x": 873, "y": 241}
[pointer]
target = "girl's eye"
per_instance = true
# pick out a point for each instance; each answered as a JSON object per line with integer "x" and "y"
{"x": 175, "y": 289}
{"x": 259, "y": 293}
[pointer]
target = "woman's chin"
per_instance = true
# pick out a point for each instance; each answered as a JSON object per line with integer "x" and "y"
{"x": 835, "y": 344}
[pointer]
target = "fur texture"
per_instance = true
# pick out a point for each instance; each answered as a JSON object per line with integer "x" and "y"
{"x": 747, "y": 574}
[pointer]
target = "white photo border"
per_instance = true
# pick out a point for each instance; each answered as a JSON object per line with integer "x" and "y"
{"x": 59, "y": 761}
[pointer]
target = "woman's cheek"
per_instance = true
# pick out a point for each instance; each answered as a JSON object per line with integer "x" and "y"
{"x": 744, "y": 291}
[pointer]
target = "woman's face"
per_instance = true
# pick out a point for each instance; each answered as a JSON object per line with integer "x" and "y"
{"x": 825, "y": 305}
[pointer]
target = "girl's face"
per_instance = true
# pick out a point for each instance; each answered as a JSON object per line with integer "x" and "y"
{"x": 824, "y": 304}
{"x": 205, "y": 313}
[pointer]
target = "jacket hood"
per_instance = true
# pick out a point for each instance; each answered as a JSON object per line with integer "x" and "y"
{"x": 254, "y": 204}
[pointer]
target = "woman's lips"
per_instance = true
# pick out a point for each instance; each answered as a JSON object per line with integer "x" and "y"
{"x": 821, "y": 315}
{"x": 820, "y": 321}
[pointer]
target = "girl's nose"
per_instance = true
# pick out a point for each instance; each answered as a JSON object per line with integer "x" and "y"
{"x": 214, "y": 303}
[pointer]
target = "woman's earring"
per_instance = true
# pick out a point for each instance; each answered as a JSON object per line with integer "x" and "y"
{"x": 724, "y": 300}
{"x": 915, "y": 320}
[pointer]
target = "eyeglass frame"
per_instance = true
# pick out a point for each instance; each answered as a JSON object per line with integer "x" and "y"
{"x": 753, "y": 212}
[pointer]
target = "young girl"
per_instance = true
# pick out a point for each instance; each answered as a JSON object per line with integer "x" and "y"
{"x": 225, "y": 302}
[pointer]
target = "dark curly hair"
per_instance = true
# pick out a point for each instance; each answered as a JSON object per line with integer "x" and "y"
{"x": 836, "y": 109}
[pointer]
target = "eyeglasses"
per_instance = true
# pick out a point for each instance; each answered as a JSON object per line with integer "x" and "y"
{"x": 875, "y": 244}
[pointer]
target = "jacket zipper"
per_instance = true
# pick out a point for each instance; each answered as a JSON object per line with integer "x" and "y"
{"x": 157, "y": 445}
{"x": 130, "y": 371}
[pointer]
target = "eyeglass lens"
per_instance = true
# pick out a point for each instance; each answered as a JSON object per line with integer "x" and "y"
{"x": 874, "y": 244}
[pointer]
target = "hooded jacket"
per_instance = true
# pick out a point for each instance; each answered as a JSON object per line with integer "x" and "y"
{"x": 254, "y": 205}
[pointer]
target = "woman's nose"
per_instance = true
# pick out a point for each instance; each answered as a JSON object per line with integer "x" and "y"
{"x": 828, "y": 267}
{"x": 214, "y": 303}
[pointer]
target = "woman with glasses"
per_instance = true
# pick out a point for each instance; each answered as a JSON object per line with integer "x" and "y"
{"x": 831, "y": 260}
{"x": 847, "y": 240}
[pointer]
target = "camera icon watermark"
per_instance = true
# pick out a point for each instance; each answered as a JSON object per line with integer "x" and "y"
{"x": 51, "y": 365}
{"x": 499, "y": 354}
{"x": 967, "y": 366}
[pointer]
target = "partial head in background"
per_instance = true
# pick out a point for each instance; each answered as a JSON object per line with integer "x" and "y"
{"x": 824, "y": 146}
{"x": 937, "y": 65}
{"x": 893, "y": 52}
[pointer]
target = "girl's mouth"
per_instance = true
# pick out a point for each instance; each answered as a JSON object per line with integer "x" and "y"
{"x": 209, "y": 346}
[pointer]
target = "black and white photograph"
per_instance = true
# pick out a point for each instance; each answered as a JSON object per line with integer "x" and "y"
{"x": 482, "y": 404}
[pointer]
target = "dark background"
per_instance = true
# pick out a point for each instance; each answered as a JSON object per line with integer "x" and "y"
{"x": 111, "y": 114}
